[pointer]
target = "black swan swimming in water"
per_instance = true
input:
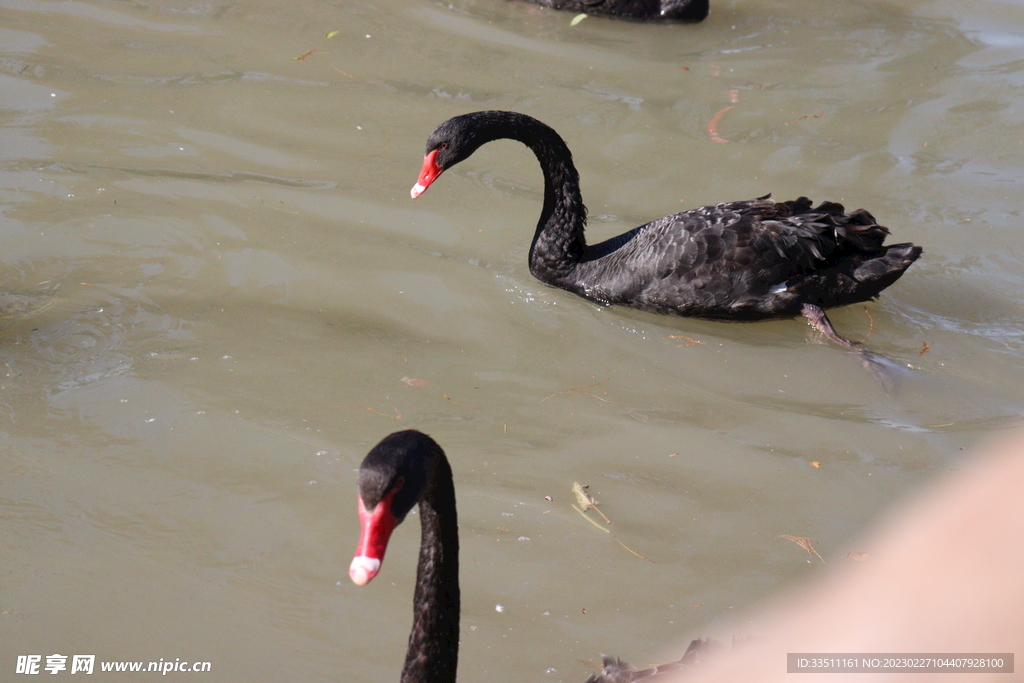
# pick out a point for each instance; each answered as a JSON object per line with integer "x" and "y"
{"x": 747, "y": 260}
{"x": 672, "y": 10}
{"x": 407, "y": 468}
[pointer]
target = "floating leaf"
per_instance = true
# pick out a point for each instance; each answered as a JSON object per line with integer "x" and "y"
{"x": 713, "y": 125}
{"x": 331, "y": 34}
{"x": 804, "y": 543}
{"x": 807, "y": 116}
{"x": 693, "y": 342}
{"x": 577, "y": 19}
{"x": 415, "y": 381}
{"x": 815, "y": 464}
{"x": 924, "y": 348}
{"x": 585, "y": 500}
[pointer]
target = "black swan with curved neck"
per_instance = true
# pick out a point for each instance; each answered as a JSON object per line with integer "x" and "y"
{"x": 741, "y": 261}
{"x": 407, "y": 468}
{"x": 672, "y": 10}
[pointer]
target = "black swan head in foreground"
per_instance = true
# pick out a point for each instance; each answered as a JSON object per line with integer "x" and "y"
{"x": 406, "y": 468}
{"x": 672, "y": 10}
{"x": 744, "y": 260}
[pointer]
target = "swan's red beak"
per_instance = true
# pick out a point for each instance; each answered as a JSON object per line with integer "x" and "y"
{"x": 375, "y": 527}
{"x": 428, "y": 174}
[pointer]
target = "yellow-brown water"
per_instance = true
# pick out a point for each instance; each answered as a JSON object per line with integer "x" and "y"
{"x": 214, "y": 283}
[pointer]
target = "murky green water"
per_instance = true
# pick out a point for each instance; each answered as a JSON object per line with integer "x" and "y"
{"x": 214, "y": 283}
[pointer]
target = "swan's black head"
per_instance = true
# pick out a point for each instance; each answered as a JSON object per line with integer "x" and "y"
{"x": 394, "y": 477}
{"x": 458, "y": 137}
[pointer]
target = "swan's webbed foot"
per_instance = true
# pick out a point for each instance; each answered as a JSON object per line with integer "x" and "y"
{"x": 817, "y": 319}
{"x": 885, "y": 371}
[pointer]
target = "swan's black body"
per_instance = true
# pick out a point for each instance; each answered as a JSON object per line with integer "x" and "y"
{"x": 741, "y": 261}
{"x": 404, "y": 469}
{"x": 672, "y": 10}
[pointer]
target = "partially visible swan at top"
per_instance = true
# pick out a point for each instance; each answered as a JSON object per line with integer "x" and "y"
{"x": 671, "y": 10}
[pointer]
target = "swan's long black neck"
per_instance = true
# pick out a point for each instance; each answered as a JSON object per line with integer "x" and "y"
{"x": 433, "y": 651}
{"x": 558, "y": 244}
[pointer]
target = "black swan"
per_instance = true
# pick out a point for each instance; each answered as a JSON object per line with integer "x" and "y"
{"x": 406, "y": 468}
{"x": 741, "y": 261}
{"x": 673, "y": 10}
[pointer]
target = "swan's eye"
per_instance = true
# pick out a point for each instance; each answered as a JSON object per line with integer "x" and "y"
{"x": 444, "y": 145}
{"x": 399, "y": 483}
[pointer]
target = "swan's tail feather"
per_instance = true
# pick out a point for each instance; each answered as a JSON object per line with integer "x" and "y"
{"x": 883, "y": 270}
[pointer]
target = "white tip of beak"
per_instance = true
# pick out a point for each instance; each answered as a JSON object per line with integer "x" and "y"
{"x": 417, "y": 190}
{"x": 363, "y": 569}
